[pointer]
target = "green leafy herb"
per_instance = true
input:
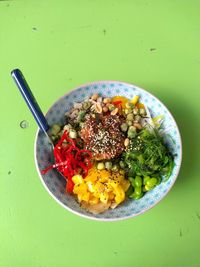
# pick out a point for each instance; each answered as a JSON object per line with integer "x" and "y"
{"x": 148, "y": 156}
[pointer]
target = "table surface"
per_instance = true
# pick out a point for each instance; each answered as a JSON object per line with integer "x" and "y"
{"x": 62, "y": 44}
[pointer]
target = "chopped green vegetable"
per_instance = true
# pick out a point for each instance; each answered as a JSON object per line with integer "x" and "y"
{"x": 135, "y": 196}
{"x": 130, "y": 117}
{"x": 122, "y": 164}
{"x": 129, "y": 191}
{"x": 81, "y": 115}
{"x": 146, "y": 179}
{"x": 138, "y": 190}
{"x": 72, "y": 134}
{"x": 152, "y": 182}
{"x": 86, "y": 105}
{"x": 137, "y": 118}
{"x": 138, "y": 181}
{"x": 147, "y": 188}
{"x": 142, "y": 111}
{"x": 115, "y": 168}
{"x": 100, "y": 166}
{"x": 108, "y": 165}
{"x": 148, "y": 157}
{"x": 131, "y": 132}
{"x": 124, "y": 127}
{"x": 127, "y": 111}
{"x": 111, "y": 107}
{"x": 55, "y": 129}
{"x": 144, "y": 189}
{"x": 129, "y": 123}
{"x": 132, "y": 180}
{"x": 135, "y": 111}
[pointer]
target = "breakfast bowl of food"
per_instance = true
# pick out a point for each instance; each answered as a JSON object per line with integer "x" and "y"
{"x": 117, "y": 151}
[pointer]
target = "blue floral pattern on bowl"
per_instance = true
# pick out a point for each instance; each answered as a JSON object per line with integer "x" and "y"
{"x": 54, "y": 182}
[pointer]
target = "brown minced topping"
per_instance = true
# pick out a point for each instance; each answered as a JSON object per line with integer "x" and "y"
{"x": 103, "y": 137}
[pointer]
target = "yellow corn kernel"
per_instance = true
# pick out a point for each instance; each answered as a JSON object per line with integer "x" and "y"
{"x": 119, "y": 178}
{"x": 86, "y": 197}
{"x": 77, "y": 179}
{"x": 90, "y": 179}
{"x": 104, "y": 197}
{"x": 119, "y": 194}
{"x": 135, "y": 99}
{"x": 103, "y": 179}
{"x": 114, "y": 183}
{"x": 109, "y": 188}
{"x": 80, "y": 188}
{"x": 104, "y": 176}
{"x": 99, "y": 187}
{"x": 90, "y": 186}
{"x": 92, "y": 175}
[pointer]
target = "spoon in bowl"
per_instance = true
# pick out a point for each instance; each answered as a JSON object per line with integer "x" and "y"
{"x": 30, "y": 101}
{"x": 32, "y": 104}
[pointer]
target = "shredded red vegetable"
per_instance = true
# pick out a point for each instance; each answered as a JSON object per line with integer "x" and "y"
{"x": 117, "y": 103}
{"x": 70, "y": 160}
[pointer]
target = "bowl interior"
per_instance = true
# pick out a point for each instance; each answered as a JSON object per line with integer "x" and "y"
{"x": 54, "y": 182}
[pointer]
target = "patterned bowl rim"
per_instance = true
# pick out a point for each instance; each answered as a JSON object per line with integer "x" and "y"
{"x": 123, "y": 217}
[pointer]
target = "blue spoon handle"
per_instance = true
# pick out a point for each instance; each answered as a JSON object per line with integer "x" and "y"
{"x": 30, "y": 99}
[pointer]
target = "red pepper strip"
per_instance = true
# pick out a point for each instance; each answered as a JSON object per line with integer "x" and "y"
{"x": 69, "y": 186}
{"x": 119, "y": 102}
{"x": 63, "y": 137}
{"x": 70, "y": 140}
{"x": 66, "y": 149}
{"x": 87, "y": 160}
{"x": 72, "y": 149}
{"x": 70, "y": 160}
{"x": 68, "y": 172}
{"x": 86, "y": 152}
{"x": 78, "y": 155}
{"x": 47, "y": 169}
{"x": 84, "y": 167}
{"x": 88, "y": 163}
{"x": 74, "y": 164}
{"x": 58, "y": 155}
{"x": 57, "y": 165}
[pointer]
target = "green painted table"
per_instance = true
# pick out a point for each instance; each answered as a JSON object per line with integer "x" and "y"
{"x": 60, "y": 45}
